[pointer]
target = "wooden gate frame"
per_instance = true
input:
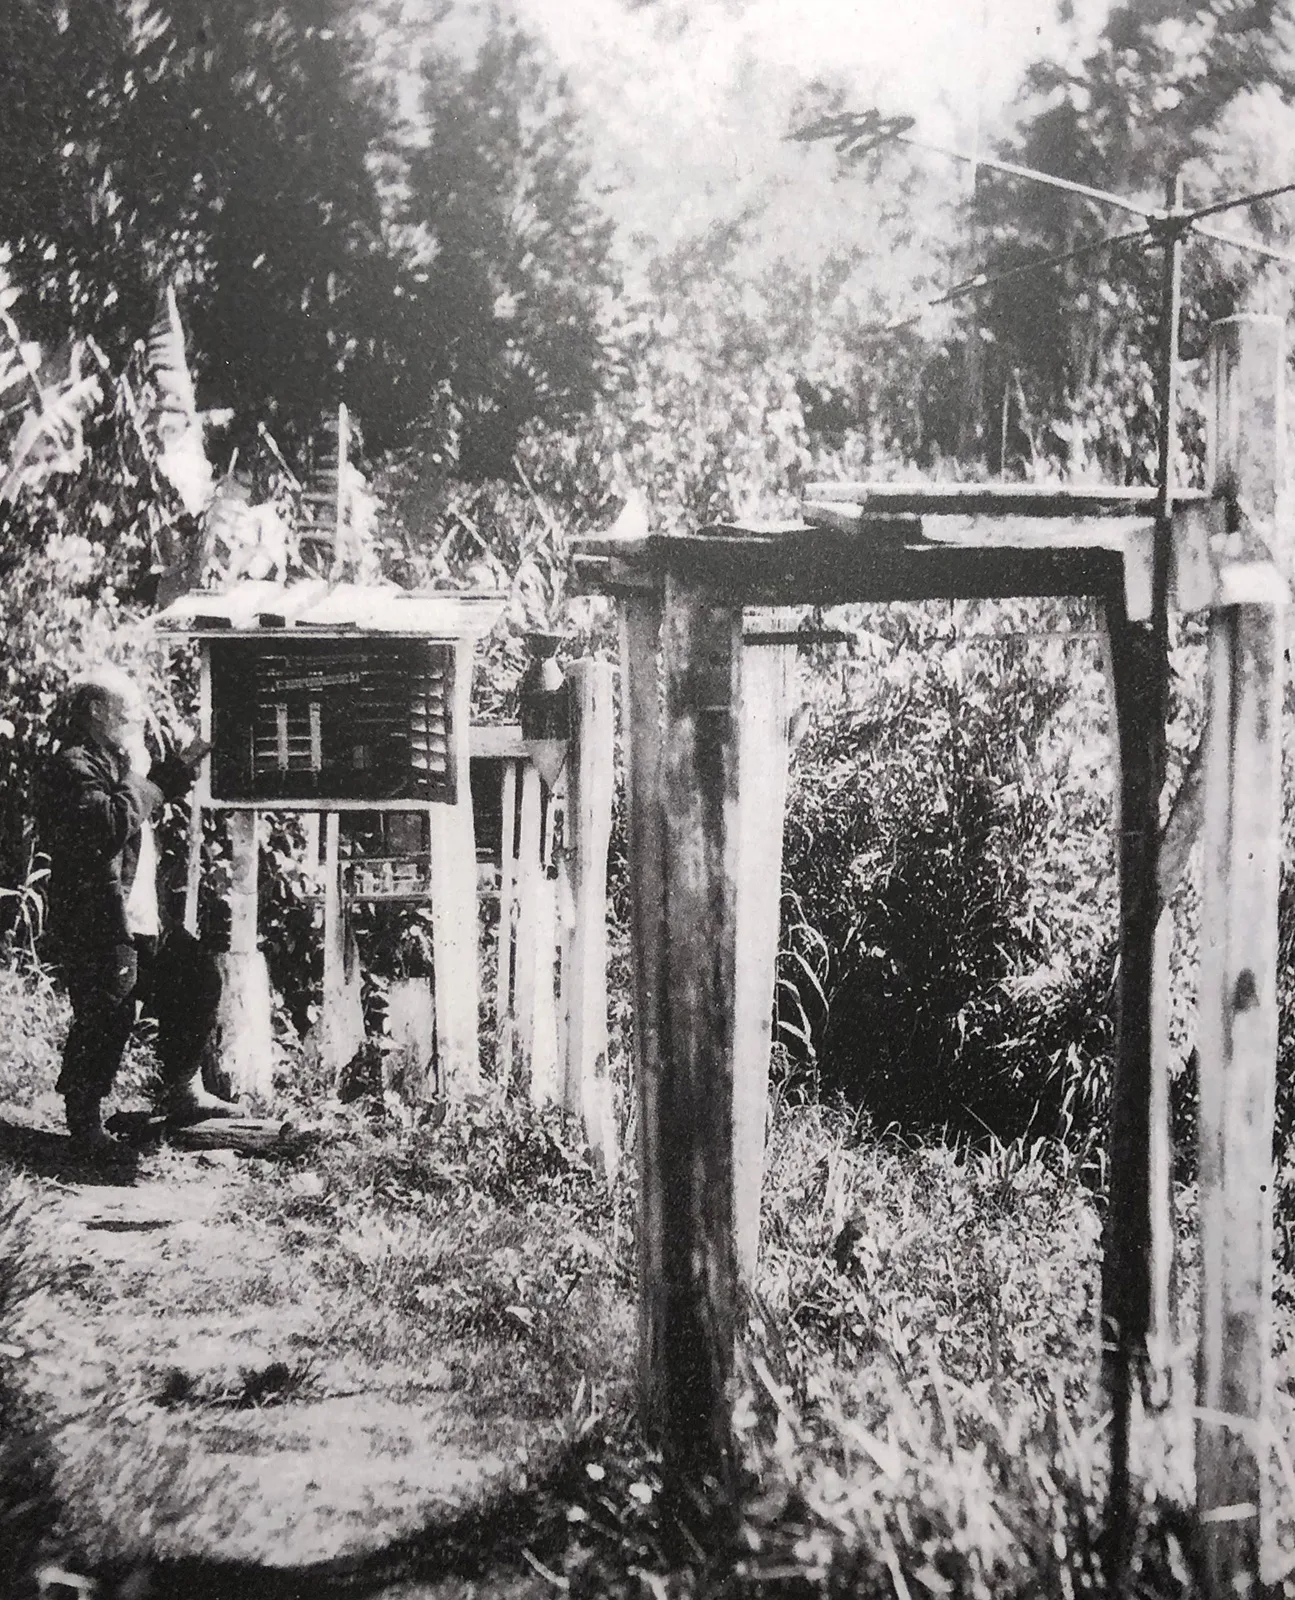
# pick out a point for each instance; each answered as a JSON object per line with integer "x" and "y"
{"x": 706, "y": 719}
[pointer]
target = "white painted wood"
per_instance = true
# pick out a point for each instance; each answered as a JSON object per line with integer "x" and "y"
{"x": 504, "y": 1013}
{"x": 244, "y": 1016}
{"x": 455, "y": 932}
{"x": 588, "y": 1086}
{"x": 529, "y": 872}
{"x": 763, "y": 712}
{"x": 340, "y": 1028}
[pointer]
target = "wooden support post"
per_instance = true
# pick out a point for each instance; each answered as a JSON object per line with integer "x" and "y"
{"x": 411, "y": 1027}
{"x": 763, "y": 713}
{"x": 529, "y": 871}
{"x": 1139, "y": 654}
{"x": 1237, "y": 1028}
{"x": 243, "y": 1019}
{"x": 684, "y": 814}
{"x": 455, "y": 936}
{"x": 200, "y": 796}
{"x": 1137, "y": 675}
{"x": 504, "y": 1012}
{"x": 589, "y": 824}
{"x": 340, "y": 1030}
{"x": 1237, "y": 1049}
{"x": 536, "y": 1002}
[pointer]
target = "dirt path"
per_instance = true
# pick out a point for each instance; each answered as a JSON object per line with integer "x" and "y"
{"x": 205, "y": 1401}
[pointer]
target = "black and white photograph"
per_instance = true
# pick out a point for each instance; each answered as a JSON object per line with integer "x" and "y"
{"x": 647, "y": 800}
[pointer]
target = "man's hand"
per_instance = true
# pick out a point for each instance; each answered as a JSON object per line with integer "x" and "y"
{"x": 194, "y": 753}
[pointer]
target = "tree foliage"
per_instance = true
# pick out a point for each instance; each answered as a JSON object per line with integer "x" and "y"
{"x": 325, "y": 250}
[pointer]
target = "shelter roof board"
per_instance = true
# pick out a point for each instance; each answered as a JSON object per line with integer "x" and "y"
{"x": 339, "y": 610}
{"x": 883, "y": 542}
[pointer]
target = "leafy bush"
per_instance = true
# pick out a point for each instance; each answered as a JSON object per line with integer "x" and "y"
{"x": 948, "y": 948}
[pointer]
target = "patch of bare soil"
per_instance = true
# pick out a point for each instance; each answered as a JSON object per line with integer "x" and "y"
{"x": 210, "y": 1400}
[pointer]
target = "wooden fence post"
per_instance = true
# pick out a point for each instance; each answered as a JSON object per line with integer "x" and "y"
{"x": 455, "y": 939}
{"x": 685, "y": 812}
{"x": 763, "y": 712}
{"x": 1237, "y": 1028}
{"x": 243, "y": 1018}
{"x": 590, "y": 779}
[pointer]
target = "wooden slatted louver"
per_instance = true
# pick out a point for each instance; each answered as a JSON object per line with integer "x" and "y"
{"x": 335, "y": 719}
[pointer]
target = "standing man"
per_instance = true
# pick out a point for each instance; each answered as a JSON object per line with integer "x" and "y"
{"x": 99, "y": 797}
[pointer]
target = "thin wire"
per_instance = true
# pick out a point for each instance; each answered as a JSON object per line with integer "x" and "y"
{"x": 1135, "y": 206}
{"x": 1240, "y": 200}
{"x": 984, "y": 280}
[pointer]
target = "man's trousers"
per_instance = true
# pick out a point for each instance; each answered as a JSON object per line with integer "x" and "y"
{"x": 175, "y": 980}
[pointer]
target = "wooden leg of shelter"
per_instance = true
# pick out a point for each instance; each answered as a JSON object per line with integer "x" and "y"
{"x": 341, "y": 1013}
{"x": 1237, "y": 1046}
{"x": 454, "y": 946}
{"x": 589, "y": 821}
{"x": 762, "y": 767}
{"x": 193, "y": 868}
{"x": 530, "y": 869}
{"x": 504, "y": 952}
{"x": 1138, "y": 672}
{"x": 683, "y": 849}
{"x": 455, "y": 939}
{"x": 244, "y": 1016}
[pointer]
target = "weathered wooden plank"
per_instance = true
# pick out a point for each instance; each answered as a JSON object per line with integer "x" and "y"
{"x": 529, "y": 870}
{"x": 994, "y": 499}
{"x": 536, "y": 1005}
{"x": 698, "y": 796}
{"x": 497, "y": 742}
{"x": 825, "y": 566}
{"x": 340, "y": 1029}
{"x": 1246, "y": 420}
{"x": 504, "y": 1013}
{"x": 199, "y": 797}
{"x": 763, "y": 714}
{"x": 589, "y": 814}
{"x": 243, "y": 1019}
{"x": 641, "y": 719}
{"x": 1237, "y": 1047}
{"x": 1237, "y": 1024}
{"x": 454, "y": 906}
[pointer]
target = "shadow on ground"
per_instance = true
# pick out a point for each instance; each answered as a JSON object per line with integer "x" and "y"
{"x": 44, "y": 1154}
{"x": 500, "y": 1541}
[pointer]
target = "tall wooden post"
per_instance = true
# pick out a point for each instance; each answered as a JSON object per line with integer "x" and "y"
{"x": 1237, "y": 1029}
{"x": 590, "y": 779}
{"x": 1139, "y": 656}
{"x": 454, "y": 905}
{"x": 683, "y": 854}
{"x": 200, "y": 796}
{"x": 243, "y": 1018}
{"x": 341, "y": 1014}
{"x": 763, "y": 712}
{"x": 504, "y": 1012}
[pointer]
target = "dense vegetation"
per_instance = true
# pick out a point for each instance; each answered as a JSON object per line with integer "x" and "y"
{"x": 230, "y": 219}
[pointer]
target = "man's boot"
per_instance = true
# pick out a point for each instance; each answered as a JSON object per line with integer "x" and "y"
{"x": 85, "y": 1122}
{"x": 186, "y": 1100}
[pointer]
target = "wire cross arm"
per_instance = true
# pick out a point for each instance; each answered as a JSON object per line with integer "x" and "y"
{"x": 1254, "y": 245}
{"x": 988, "y": 280}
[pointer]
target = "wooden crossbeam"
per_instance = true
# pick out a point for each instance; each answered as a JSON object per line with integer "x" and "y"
{"x": 832, "y": 566}
{"x": 997, "y": 499}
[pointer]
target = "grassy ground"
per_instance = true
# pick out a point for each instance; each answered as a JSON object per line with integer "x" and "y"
{"x": 403, "y": 1363}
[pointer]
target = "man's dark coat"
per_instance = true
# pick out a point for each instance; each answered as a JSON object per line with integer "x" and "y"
{"x": 92, "y": 811}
